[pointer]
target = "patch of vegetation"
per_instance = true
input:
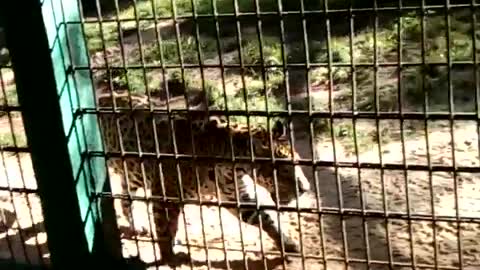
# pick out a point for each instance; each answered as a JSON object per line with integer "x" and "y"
{"x": 435, "y": 77}
{"x": 238, "y": 100}
{"x": 95, "y": 39}
{"x": 134, "y": 79}
{"x": 271, "y": 49}
{"x": 189, "y": 50}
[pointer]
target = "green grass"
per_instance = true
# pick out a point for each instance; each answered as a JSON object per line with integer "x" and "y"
{"x": 134, "y": 79}
{"x": 93, "y": 35}
{"x": 255, "y": 100}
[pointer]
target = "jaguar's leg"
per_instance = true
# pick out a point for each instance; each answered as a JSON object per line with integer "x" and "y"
{"x": 141, "y": 212}
{"x": 166, "y": 227}
{"x": 166, "y": 217}
{"x": 137, "y": 218}
{"x": 270, "y": 224}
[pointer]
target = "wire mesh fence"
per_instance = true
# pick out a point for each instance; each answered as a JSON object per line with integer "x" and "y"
{"x": 357, "y": 121}
{"x": 23, "y": 240}
{"x": 380, "y": 100}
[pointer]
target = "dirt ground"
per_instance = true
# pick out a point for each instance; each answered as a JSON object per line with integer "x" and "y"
{"x": 329, "y": 241}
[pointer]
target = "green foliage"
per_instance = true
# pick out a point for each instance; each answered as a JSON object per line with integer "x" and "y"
{"x": 171, "y": 54}
{"x": 271, "y": 49}
{"x": 237, "y": 101}
{"x": 95, "y": 40}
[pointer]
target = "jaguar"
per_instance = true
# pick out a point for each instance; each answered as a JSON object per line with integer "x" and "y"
{"x": 182, "y": 157}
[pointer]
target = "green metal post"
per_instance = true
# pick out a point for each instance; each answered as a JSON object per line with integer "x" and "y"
{"x": 44, "y": 48}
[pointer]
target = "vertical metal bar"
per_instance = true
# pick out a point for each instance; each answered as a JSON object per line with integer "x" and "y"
{"x": 400, "y": 101}
{"x": 332, "y": 135}
{"x": 353, "y": 82}
{"x": 224, "y": 87}
{"x": 451, "y": 110}
{"x": 264, "y": 81}
{"x": 169, "y": 115}
{"x": 180, "y": 180}
{"x": 165, "y": 85}
{"x": 202, "y": 75}
{"x": 199, "y": 51}
{"x": 426, "y": 111}
{"x": 150, "y": 105}
{"x": 475, "y": 68}
{"x": 292, "y": 136}
{"x": 104, "y": 50}
{"x": 89, "y": 64}
{"x": 142, "y": 171}
{"x": 287, "y": 98}
{"x": 125, "y": 169}
{"x": 47, "y": 141}
{"x": 244, "y": 89}
{"x": 378, "y": 134}
{"x": 314, "y": 169}
{"x": 122, "y": 54}
{"x": 142, "y": 57}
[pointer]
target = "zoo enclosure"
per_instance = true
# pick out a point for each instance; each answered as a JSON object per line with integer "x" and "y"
{"x": 396, "y": 66}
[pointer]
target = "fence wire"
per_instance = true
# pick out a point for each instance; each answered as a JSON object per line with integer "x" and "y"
{"x": 23, "y": 240}
{"x": 380, "y": 99}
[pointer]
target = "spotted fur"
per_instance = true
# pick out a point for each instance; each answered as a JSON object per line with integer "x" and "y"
{"x": 136, "y": 132}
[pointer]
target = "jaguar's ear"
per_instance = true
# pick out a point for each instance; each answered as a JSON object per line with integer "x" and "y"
{"x": 279, "y": 129}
